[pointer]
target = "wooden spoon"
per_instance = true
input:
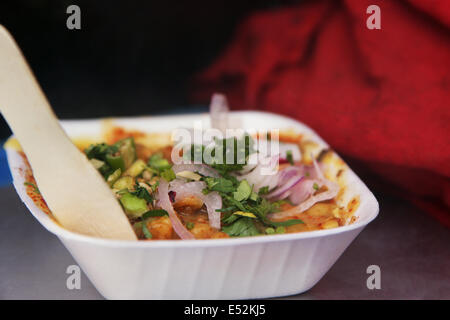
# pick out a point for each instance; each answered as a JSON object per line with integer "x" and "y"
{"x": 75, "y": 192}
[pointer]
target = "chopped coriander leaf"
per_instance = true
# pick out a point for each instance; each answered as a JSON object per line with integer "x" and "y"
{"x": 142, "y": 193}
{"x": 227, "y": 155}
{"x": 158, "y": 162}
{"x": 168, "y": 174}
{"x": 154, "y": 213}
{"x": 146, "y": 232}
{"x": 231, "y": 201}
{"x": 118, "y": 156}
{"x": 280, "y": 229}
{"x": 99, "y": 151}
{"x": 315, "y": 186}
{"x": 286, "y": 223}
{"x": 254, "y": 196}
{"x": 228, "y": 209}
{"x": 289, "y": 157}
{"x": 190, "y": 225}
{"x": 229, "y": 219}
{"x": 220, "y": 185}
{"x": 264, "y": 190}
{"x": 243, "y": 227}
{"x": 243, "y": 191}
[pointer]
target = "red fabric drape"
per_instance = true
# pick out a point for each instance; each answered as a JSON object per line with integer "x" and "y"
{"x": 380, "y": 96}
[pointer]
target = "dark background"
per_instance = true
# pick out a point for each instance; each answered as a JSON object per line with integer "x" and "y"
{"x": 129, "y": 58}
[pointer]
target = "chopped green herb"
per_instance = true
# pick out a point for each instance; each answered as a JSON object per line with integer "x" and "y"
{"x": 316, "y": 186}
{"x": 242, "y": 227}
{"x": 254, "y": 196}
{"x": 190, "y": 225}
{"x": 142, "y": 193}
{"x": 264, "y": 190}
{"x": 154, "y": 213}
{"x": 286, "y": 223}
{"x": 280, "y": 229}
{"x": 220, "y": 185}
{"x": 118, "y": 156}
{"x": 168, "y": 174}
{"x": 158, "y": 162}
{"x": 146, "y": 232}
{"x": 243, "y": 191}
{"x": 289, "y": 157}
{"x": 227, "y": 155}
{"x": 99, "y": 151}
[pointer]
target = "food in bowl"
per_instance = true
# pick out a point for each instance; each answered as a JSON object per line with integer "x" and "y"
{"x": 218, "y": 199}
{"x": 226, "y": 268}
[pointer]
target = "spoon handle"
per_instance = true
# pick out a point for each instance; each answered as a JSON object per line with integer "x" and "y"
{"x": 74, "y": 191}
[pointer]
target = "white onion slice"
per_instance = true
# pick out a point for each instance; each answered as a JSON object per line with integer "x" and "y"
{"x": 164, "y": 202}
{"x": 252, "y": 162}
{"x": 301, "y": 194}
{"x": 259, "y": 178}
{"x": 302, "y": 191}
{"x": 212, "y": 200}
{"x": 203, "y": 169}
{"x": 218, "y": 111}
{"x": 289, "y": 172}
{"x": 286, "y": 186}
{"x": 332, "y": 192}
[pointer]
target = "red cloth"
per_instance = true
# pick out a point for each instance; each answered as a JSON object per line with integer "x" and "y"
{"x": 380, "y": 96}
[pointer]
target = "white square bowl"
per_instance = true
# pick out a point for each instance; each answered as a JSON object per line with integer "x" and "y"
{"x": 238, "y": 268}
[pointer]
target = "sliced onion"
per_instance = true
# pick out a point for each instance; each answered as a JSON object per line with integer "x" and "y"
{"x": 303, "y": 195}
{"x": 252, "y": 162}
{"x": 212, "y": 200}
{"x": 302, "y": 191}
{"x": 285, "y": 147}
{"x": 181, "y": 187}
{"x": 218, "y": 111}
{"x": 317, "y": 170}
{"x": 288, "y": 173}
{"x": 288, "y": 178}
{"x": 332, "y": 192}
{"x": 164, "y": 202}
{"x": 285, "y": 187}
{"x": 203, "y": 169}
{"x": 258, "y": 179}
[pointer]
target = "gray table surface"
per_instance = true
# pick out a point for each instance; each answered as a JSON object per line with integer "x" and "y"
{"x": 411, "y": 249}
